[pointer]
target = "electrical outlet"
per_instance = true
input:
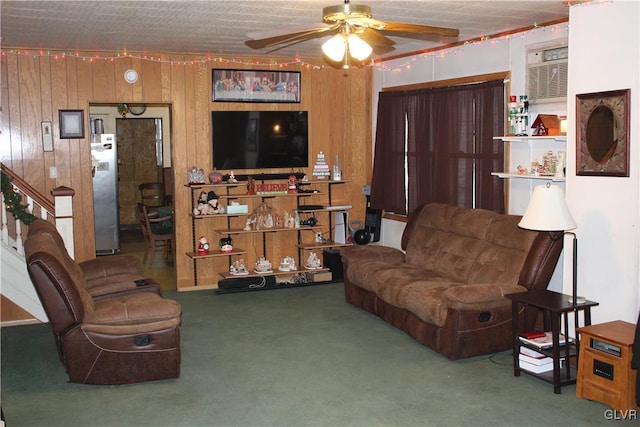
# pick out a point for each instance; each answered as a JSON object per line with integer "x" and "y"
{"x": 53, "y": 172}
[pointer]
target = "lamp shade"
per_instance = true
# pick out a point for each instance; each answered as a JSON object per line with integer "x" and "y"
{"x": 335, "y": 48}
{"x": 358, "y": 48}
{"x": 547, "y": 210}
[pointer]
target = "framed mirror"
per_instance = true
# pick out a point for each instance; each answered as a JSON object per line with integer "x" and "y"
{"x": 602, "y": 133}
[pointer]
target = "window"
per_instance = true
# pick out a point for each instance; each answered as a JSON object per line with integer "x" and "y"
{"x": 436, "y": 145}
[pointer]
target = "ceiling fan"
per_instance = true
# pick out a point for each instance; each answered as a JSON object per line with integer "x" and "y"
{"x": 355, "y": 35}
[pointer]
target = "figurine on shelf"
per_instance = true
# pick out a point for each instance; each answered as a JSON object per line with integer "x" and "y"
{"x": 535, "y": 167}
{"x": 293, "y": 184}
{"x": 196, "y": 176}
{"x": 232, "y": 178}
{"x": 203, "y": 246}
{"x": 522, "y": 170}
{"x": 313, "y": 262}
{"x": 214, "y": 206}
{"x": 288, "y": 220}
{"x": 215, "y": 177}
{"x": 200, "y": 176}
{"x": 560, "y": 163}
{"x": 263, "y": 265}
{"x": 287, "y": 264}
{"x": 202, "y": 204}
{"x": 238, "y": 268}
{"x": 226, "y": 244}
{"x": 268, "y": 221}
{"x": 251, "y": 186}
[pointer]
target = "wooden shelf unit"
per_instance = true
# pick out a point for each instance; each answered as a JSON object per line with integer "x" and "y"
{"x": 221, "y": 225}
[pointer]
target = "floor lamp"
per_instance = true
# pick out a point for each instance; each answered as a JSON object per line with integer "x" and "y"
{"x": 548, "y": 211}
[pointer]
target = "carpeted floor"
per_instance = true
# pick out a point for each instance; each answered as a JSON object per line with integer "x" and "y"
{"x": 291, "y": 357}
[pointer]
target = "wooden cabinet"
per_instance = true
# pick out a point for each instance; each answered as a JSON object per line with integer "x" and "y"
{"x": 604, "y": 371}
{"x": 253, "y": 239}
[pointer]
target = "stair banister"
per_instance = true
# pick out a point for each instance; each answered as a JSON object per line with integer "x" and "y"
{"x": 16, "y": 284}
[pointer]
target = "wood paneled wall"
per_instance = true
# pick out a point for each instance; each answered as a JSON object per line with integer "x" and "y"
{"x": 34, "y": 88}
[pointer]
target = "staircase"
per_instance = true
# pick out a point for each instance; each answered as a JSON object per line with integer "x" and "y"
{"x": 15, "y": 284}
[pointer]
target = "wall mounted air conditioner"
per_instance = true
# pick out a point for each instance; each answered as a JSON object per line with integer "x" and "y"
{"x": 547, "y": 71}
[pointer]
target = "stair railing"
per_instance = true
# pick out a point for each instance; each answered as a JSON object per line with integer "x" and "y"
{"x": 60, "y": 212}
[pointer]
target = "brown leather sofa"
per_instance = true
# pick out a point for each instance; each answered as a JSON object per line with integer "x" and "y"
{"x": 446, "y": 287}
{"x": 106, "y": 276}
{"x": 128, "y": 336}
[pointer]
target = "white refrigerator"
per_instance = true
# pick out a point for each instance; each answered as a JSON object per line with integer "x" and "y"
{"x": 106, "y": 212}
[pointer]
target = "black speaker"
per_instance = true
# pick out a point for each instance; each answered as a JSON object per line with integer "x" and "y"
{"x": 373, "y": 223}
{"x": 331, "y": 258}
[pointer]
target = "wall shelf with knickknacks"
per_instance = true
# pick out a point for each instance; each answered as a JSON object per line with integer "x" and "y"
{"x": 530, "y": 161}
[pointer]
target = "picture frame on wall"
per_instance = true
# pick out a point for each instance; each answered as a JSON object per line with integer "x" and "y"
{"x": 602, "y": 133}
{"x": 231, "y": 85}
{"x": 47, "y": 135}
{"x": 71, "y": 124}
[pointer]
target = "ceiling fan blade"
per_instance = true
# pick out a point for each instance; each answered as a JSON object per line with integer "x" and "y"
{"x": 403, "y": 27}
{"x": 265, "y": 34}
{"x": 308, "y": 33}
{"x": 375, "y": 39}
{"x": 380, "y": 44}
{"x": 302, "y": 39}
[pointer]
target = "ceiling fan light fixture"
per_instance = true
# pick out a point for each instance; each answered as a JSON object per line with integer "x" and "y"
{"x": 358, "y": 48}
{"x": 335, "y": 48}
{"x": 332, "y": 14}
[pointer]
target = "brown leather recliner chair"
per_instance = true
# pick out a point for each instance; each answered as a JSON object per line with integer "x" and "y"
{"x": 119, "y": 339}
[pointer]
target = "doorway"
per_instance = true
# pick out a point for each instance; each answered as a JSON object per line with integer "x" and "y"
{"x": 140, "y": 161}
{"x": 144, "y": 155}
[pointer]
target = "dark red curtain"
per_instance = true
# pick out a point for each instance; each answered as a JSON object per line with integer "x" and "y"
{"x": 449, "y": 152}
{"x": 388, "y": 182}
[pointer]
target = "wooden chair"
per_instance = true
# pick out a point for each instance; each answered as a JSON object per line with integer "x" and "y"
{"x": 157, "y": 231}
{"x": 152, "y": 194}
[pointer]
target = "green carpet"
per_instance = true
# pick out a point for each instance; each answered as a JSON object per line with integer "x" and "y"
{"x": 291, "y": 357}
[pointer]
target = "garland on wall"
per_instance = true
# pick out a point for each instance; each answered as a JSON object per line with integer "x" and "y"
{"x": 13, "y": 202}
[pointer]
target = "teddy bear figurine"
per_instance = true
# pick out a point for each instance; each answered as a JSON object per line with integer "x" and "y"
{"x": 202, "y": 207}
{"x": 214, "y": 206}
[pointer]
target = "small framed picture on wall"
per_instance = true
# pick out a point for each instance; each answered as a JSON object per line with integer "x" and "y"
{"x": 71, "y": 124}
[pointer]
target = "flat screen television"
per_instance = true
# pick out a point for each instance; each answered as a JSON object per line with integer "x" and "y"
{"x": 260, "y": 139}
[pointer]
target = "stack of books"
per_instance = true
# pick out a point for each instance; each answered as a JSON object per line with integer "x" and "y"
{"x": 533, "y": 361}
{"x": 540, "y": 340}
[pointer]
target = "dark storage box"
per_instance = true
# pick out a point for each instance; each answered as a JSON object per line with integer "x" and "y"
{"x": 331, "y": 258}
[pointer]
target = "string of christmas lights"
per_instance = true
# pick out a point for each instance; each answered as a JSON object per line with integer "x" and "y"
{"x": 106, "y": 56}
{"x": 459, "y": 49}
{"x": 380, "y": 64}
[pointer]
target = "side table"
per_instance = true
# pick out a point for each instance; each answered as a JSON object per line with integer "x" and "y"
{"x": 555, "y": 308}
{"x": 604, "y": 371}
